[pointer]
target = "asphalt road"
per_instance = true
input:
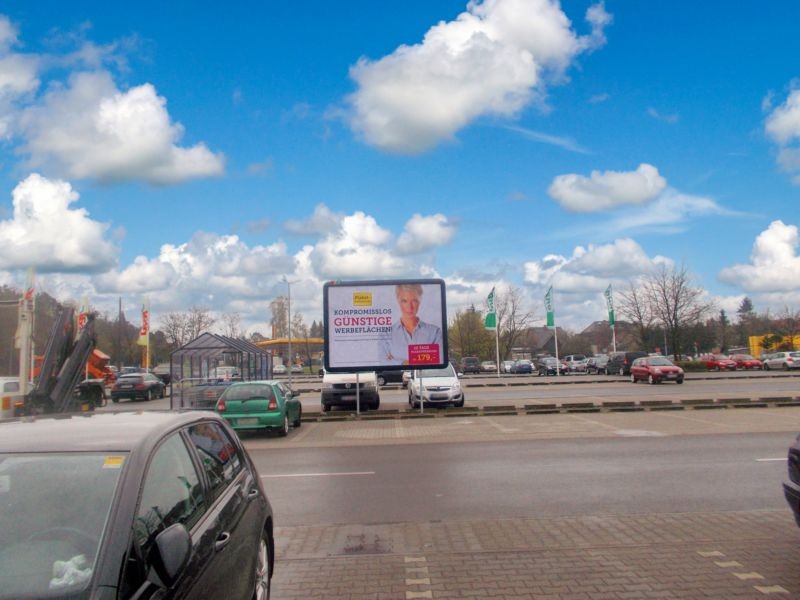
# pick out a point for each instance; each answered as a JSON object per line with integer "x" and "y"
{"x": 527, "y": 478}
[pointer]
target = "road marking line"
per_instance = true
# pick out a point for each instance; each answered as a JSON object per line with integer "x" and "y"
{"x": 771, "y": 589}
{"x": 771, "y": 459}
{"x": 426, "y": 594}
{"x": 710, "y": 554}
{"x": 745, "y": 576}
{"x": 425, "y": 581}
{"x": 409, "y": 559}
{"x": 317, "y": 474}
{"x": 725, "y": 565}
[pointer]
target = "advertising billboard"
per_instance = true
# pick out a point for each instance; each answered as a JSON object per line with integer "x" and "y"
{"x": 385, "y": 324}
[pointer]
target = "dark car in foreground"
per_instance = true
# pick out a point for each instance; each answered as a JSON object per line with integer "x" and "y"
{"x": 131, "y": 505}
{"x": 791, "y": 488}
{"x": 655, "y": 369}
{"x": 137, "y": 386}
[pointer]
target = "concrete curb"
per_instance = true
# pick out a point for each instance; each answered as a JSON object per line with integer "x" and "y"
{"x": 563, "y": 408}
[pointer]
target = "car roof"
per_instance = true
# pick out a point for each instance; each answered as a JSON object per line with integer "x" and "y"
{"x": 92, "y": 432}
{"x": 256, "y": 381}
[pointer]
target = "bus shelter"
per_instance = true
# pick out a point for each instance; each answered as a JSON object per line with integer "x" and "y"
{"x": 201, "y": 369}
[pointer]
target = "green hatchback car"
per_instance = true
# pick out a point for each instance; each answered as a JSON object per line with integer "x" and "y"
{"x": 252, "y": 405}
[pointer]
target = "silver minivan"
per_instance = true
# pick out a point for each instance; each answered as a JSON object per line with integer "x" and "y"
{"x": 782, "y": 360}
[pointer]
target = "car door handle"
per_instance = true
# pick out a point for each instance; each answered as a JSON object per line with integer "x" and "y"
{"x": 252, "y": 494}
{"x": 222, "y": 541}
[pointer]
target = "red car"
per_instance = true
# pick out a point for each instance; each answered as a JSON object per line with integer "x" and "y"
{"x": 745, "y": 361}
{"x": 655, "y": 369}
{"x": 719, "y": 362}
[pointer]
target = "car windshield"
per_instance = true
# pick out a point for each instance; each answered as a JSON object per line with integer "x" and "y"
{"x": 130, "y": 379}
{"x": 55, "y": 507}
{"x": 794, "y": 354}
{"x": 660, "y": 362}
{"x": 445, "y": 372}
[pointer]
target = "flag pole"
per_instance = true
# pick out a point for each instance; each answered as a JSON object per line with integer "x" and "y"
{"x": 497, "y": 347}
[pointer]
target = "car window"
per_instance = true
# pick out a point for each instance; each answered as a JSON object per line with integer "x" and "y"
{"x": 171, "y": 493}
{"x": 11, "y": 386}
{"x": 218, "y": 455}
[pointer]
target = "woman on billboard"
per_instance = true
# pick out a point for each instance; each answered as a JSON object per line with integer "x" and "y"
{"x": 410, "y": 330}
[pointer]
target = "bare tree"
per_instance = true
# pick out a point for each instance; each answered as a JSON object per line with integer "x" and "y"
{"x": 198, "y": 320}
{"x": 467, "y": 335}
{"x": 174, "y": 327}
{"x": 300, "y": 333}
{"x": 512, "y": 318}
{"x": 675, "y": 302}
{"x": 280, "y": 317}
{"x": 232, "y": 325}
{"x": 634, "y": 306}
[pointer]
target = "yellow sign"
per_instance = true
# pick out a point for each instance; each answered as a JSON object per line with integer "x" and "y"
{"x": 362, "y": 298}
{"x": 113, "y": 462}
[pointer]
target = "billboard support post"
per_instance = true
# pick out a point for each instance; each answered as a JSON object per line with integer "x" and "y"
{"x": 421, "y": 394}
{"x": 358, "y": 395}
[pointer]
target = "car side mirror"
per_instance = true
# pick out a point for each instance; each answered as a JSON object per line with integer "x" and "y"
{"x": 170, "y": 553}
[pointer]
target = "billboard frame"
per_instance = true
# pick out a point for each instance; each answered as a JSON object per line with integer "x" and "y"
{"x": 443, "y": 351}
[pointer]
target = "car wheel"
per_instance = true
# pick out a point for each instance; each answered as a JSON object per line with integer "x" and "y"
{"x": 263, "y": 575}
{"x": 622, "y": 371}
{"x": 716, "y": 368}
{"x": 114, "y": 400}
{"x": 679, "y": 381}
{"x": 381, "y": 381}
{"x": 460, "y": 403}
{"x": 785, "y": 367}
{"x": 375, "y": 405}
{"x": 298, "y": 421}
{"x": 326, "y": 408}
{"x": 651, "y": 380}
{"x": 766, "y": 367}
{"x": 148, "y": 395}
{"x": 284, "y": 430}
{"x": 633, "y": 378}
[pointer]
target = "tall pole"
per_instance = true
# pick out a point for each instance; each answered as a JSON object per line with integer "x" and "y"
{"x": 497, "y": 347}
{"x": 289, "y": 327}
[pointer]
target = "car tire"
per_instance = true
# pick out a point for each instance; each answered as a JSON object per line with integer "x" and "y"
{"x": 114, "y": 400}
{"x": 326, "y": 408}
{"x": 651, "y": 380}
{"x": 622, "y": 371}
{"x": 679, "y": 381}
{"x": 381, "y": 381}
{"x": 716, "y": 368}
{"x": 633, "y": 378}
{"x": 460, "y": 403}
{"x": 263, "y": 574}
{"x": 375, "y": 405}
{"x": 785, "y": 367}
{"x": 148, "y": 395}
{"x": 299, "y": 420}
{"x": 284, "y": 430}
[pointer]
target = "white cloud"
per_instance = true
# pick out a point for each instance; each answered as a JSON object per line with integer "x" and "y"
{"x": 357, "y": 249}
{"x": 554, "y": 140}
{"x": 609, "y": 189}
{"x": 669, "y": 213}
{"x": 774, "y": 263}
{"x": 143, "y": 275}
{"x": 92, "y": 129}
{"x": 423, "y": 233}
{"x": 592, "y": 268}
{"x": 46, "y": 233}
{"x": 493, "y": 59}
{"x": 666, "y": 118}
{"x": 323, "y": 221}
{"x": 783, "y": 127}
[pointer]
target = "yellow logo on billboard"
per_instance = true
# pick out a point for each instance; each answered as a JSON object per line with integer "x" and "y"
{"x": 362, "y": 298}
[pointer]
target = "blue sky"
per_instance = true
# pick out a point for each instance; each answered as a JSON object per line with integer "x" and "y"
{"x": 199, "y": 156}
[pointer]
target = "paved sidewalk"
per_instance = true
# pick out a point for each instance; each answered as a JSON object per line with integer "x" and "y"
{"x": 746, "y": 554}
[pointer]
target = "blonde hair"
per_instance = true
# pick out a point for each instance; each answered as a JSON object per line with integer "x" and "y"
{"x": 408, "y": 287}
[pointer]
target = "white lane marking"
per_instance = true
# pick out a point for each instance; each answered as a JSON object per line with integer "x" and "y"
{"x": 318, "y": 474}
{"x": 771, "y": 459}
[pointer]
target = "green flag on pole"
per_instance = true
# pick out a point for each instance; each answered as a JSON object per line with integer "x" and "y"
{"x": 610, "y": 302}
{"x": 548, "y": 304}
{"x": 490, "y": 322}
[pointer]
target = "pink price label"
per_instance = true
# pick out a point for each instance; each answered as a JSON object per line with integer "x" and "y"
{"x": 423, "y": 354}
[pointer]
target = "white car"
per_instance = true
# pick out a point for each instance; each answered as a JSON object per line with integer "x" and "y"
{"x": 9, "y": 396}
{"x": 435, "y": 387}
{"x": 781, "y": 360}
{"x": 279, "y": 370}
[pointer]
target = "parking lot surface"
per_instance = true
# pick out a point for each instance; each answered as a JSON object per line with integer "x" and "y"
{"x": 748, "y": 554}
